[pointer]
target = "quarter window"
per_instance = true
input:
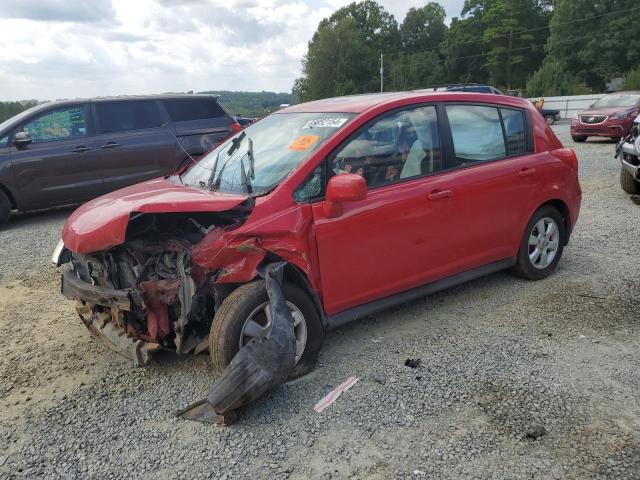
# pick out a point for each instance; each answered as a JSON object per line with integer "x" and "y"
{"x": 58, "y": 124}
{"x": 514, "y": 132}
{"x": 124, "y": 116}
{"x": 401, "y": 145}
{"x": 477, "y": 133}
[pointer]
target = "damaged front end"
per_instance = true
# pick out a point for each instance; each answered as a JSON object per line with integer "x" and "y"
{"x": 146, "y": 293}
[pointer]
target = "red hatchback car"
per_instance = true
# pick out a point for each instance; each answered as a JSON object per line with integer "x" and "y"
{"x": 611, "y": 116}
{"x": 371, "y": 201}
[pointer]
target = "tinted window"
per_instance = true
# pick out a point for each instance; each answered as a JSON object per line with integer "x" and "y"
{"x": 513, "y": 121}
{"x": 401, "y": 145}
{"x": 123, "y": 116}
{"x": 477, "y": 133}
{"x": 4, "y": 141}
{"x": 196, "y": 109}
{"x": 58, "y": 124}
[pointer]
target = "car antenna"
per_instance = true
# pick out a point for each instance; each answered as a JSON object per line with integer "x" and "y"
{"x": 466, "y": 80}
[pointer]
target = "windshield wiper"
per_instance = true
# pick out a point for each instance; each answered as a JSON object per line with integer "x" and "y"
{"x": 235, "y": 143}
{"x": 213, "y": 172}
{"x": 246, "y": 183}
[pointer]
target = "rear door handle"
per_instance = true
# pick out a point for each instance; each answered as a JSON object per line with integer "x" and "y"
{"x": 527, "y": 172}
{"x": 111, "y": 145}
{"x": 81, "y": 149}
{"x": 440, "y": 194}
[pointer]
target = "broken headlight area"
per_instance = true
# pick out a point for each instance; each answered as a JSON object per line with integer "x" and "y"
{"x": 146, "y": 294}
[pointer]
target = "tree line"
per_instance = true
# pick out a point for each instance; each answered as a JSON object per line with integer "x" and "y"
{"x": 541, "y": 47}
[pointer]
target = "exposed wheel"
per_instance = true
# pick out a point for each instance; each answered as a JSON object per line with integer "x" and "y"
{"x": 628, "y": 183}
{"x": 579, "y": 139}
{"x": 5, "y": 208}
{"x": 244, "y": 315}
{"x": 542, "y": 244}
{"x": 550, "y": 119}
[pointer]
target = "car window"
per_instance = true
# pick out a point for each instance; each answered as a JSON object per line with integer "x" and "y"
{"x": 513, "y": 121}
{"x": 59, "y": 124}
{"x": 4, "y": 141}
{"x": 477, "y": 133}
{"x": 401, "y": 145}
{"x": 312, "y": 187}
{"x": 193, "y": 109}
{"x": 124, "y": 116}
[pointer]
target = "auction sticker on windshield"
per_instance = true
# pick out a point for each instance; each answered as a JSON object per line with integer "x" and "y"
{"x": 304, "y": 142}
{"x": 326, "y": 122}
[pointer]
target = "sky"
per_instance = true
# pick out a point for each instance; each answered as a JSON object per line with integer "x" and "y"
{"x": 54, "y": 49}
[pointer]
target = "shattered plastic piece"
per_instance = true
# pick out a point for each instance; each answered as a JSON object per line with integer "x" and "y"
{"x": 412, "y": 362}
{"x": 334, "y": 394}
{"x": 261, "y": 365}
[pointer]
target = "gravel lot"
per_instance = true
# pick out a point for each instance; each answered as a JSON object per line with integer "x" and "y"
{"x": 501, "y": 358}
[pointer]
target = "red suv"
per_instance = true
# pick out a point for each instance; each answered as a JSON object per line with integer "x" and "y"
{"x": 370, "y": 200}
{"x": 611, "y": 116}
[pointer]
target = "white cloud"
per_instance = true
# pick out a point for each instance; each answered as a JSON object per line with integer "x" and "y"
{"x": 64, "y": 49}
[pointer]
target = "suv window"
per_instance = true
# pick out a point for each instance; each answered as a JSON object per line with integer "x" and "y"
{"x": 4, "y": 141}
{"x": 59, "y": 124}
{"x": 400, "y": 145}
{"x": 193, "y": 109}
{"x": 123, "y": 116}
{"x": 477, "y": 133}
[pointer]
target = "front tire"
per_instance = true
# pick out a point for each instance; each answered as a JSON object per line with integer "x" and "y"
{"x": 628, "y": 183}
{"x": 242, "y": 315}
{"x": 542, "y": 244}
{"x": 579, "y": 139}
{"x": 5, "y": 208}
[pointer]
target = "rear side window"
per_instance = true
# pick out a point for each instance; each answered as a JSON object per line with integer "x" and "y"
{"x": 514, "y": 132}
{"x": 193, "y": 109}
{"x": 124, "y": 116}
{"x": 477, "y": 133}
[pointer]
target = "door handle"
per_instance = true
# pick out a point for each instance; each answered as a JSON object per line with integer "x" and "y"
{"x": 527, "y": 172}
{"x": 111, "y": 145}
{"x": 81, "y": 149}
{"x": 440, "y": 194}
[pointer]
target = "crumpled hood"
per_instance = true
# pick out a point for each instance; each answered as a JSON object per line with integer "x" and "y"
{"x": 101, "y": 223}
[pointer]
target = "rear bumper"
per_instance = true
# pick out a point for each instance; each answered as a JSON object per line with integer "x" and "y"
{"x": 107, "y": 324}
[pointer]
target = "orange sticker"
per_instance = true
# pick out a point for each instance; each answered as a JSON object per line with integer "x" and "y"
{"x": 304, "y": 142}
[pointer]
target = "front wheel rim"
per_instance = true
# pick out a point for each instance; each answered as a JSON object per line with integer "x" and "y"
{"x": 259, "y": 325}
{"x": 544, "y": 242}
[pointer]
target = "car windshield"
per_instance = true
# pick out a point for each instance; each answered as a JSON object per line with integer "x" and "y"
{"x": 259, "y": 157}
{"x": 618, "y": 100}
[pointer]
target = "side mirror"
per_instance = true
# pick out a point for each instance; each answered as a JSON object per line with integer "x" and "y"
{"x": 22, "y": 139}
{"x": 345, "y": 187}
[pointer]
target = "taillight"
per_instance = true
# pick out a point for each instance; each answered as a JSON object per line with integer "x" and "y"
{"x": 236, "y": 127}
{"x": 568, "y": 156}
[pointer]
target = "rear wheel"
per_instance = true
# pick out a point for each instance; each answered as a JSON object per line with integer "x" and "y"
{"x": 245, "y": 315}
{"x": 542, "y": 244}
{"x": 628, "y": 183}
{"x": 550, "y": 119}
{"x": 579, "y": 139}
{"x": 5, "y": 208}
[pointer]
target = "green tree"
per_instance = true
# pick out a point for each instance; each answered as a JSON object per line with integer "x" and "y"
{"x": 423, "y": 28}
{"x": 553, "y": 78}
{"x": 343, "y": 55}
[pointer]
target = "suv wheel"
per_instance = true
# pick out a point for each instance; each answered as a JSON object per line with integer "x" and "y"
{"x": 5, "y": 208}
{"x": 579, "y": 139}
{"x": 542, "y": 244}
{"x": 244, "y": 315}
{"x": 628, "y": 183}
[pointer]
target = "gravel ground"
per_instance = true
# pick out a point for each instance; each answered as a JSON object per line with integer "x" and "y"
{"x": 517, "y": 379}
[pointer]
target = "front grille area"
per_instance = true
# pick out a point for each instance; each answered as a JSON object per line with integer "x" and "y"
{"x": 593, "y": 119}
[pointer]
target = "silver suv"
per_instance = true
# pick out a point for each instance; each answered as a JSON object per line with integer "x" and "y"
{"x": 629, "y": 151}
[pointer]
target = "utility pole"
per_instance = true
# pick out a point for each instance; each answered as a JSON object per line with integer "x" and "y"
{"x": 382, "y": 72}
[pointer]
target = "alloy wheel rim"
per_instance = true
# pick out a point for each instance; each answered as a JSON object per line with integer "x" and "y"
{"x": 544, "y": 241}
{"x": 259, "y": 325}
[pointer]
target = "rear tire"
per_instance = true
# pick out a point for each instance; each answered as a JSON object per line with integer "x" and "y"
{"x": 236, "y": 309}
{"x": 550, "y": 119}
{"x": 579, "y": 139}
{"x": 5, "y": 208}
{"x": 628, "y": 183}
{"x": 537, "y": 239}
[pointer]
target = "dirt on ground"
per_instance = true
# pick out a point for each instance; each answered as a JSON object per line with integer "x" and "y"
{"x": 516, "y": 379}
